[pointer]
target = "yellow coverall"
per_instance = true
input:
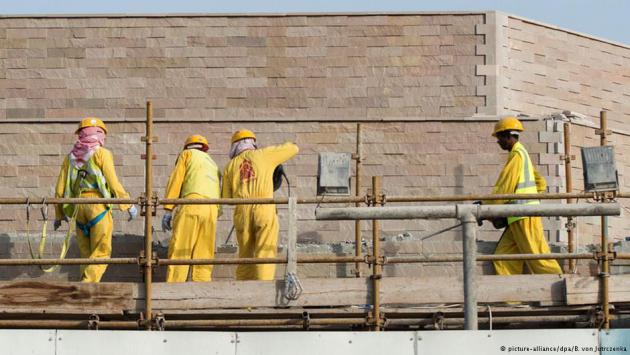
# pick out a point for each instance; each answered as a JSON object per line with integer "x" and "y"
{"x": 526, "y": 235}
{"x": 99, "y": 244}
{"x": 194, "y": 227}
{"x": 250, "y": 175}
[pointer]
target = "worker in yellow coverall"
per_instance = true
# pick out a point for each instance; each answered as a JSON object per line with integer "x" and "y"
{"x": 88, "y": 172}
{"x": 195, "y": 176}
{"x": 523, "y": 235}
{"x": 249, "y": 174}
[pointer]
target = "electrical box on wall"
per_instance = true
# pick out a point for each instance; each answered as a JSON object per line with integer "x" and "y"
{"x": 600, "y": 172}
{"x": 333, "y": 174}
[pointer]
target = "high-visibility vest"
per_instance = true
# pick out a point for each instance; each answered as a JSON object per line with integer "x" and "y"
{"x": 87, "y": 178}
{"x": 202, "y": 176}
{"x": 526, "y": 179}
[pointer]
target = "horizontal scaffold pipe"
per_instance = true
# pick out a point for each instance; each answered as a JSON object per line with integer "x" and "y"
{"x": 305, "y": 200}
{"x": 478, "y": 211}
{"x": 236, "y": 261}
{"x": 59, "y": 201}
{"x": 113, "y": 261}
{"x": 174, "y": 324}
{"x": 65, "y": 324}
{"x": 454, "y": 258}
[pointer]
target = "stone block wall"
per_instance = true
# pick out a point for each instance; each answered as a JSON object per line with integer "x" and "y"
{"x": 293, "y": 67}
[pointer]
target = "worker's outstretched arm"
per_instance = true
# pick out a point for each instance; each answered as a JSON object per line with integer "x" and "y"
{"x": 278, "y": 154}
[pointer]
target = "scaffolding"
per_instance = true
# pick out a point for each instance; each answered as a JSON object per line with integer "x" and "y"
{"x": 371, "y": 302}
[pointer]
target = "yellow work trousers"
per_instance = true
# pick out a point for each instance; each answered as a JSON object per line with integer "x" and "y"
{"x": 524, "y": 236}
{"x": 257, "y": 234}
{"x": 99, "y": 244}
{"x": 194, "y": 232}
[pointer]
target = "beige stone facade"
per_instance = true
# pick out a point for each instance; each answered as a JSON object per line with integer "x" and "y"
{"x": 426, "y": 87}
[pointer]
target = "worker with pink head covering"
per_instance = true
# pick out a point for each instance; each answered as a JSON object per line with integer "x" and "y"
{"x": 88, "y": 172}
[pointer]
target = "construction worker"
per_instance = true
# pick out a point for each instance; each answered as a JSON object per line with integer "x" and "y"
{"x": 88, "y": 172}
{"x": 523, "y": 235}
{"x": 195, "y": 176}
{"x": 249, "y": 174}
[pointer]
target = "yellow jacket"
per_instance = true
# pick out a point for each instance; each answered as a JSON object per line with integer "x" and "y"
{"x": 250, "y": 174}
{"x": 195, "y": 173}
{"x": 105, "y": 161}
{"x": 508, "y": 179}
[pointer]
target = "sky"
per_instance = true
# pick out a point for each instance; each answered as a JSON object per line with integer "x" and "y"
{"x": 607, "y": 19}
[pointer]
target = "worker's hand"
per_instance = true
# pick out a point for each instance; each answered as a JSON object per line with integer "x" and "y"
{"x": 57, "y": 223}
{"x": 166, "y": 221}
{"x": 133, "y": 212}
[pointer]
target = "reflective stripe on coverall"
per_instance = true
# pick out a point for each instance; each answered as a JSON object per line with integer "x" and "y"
{"x": 194, "y": 227}
{"x": 250, "y": 175}
{"x": 99, "y": 243}
{"x": 524, "y": 235}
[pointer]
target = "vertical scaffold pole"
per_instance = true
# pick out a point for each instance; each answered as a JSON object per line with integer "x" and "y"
{"x": 567, "y": 157}
{"x": 604, "y": 268}
{"x": 357, "y": 224}
{"x": 376, "y": 254}
{"x": 470, "y": 272}
{"x": 148, "y": 218}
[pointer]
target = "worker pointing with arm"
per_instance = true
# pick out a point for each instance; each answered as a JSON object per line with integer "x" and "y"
{"x": 249, "y": 174}
{"x": 195, "y": 176}
{"x": 88, "y": 172}
{"x": 523, "y": 235}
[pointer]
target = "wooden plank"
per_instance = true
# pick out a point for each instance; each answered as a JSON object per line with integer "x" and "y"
{"x": 354, "y": 291}
{"x": 116, "y": 298}
{"x": 65, "y": 297}
{"x": 585, "y": 290}
{"x": 524, "y": 288}
{"x": 255, "y": 294}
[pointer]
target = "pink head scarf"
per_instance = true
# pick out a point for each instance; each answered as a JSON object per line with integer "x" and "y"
{"x": 240, "y": 146}
{"x": 89, "y": 139}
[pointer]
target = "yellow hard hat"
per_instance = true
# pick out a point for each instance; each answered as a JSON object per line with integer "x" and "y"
{"x": 242, "y": 134}
{"x": 196, "y": 139}
{"x": 91, "y": 122}
{"x": 509, "y": 123}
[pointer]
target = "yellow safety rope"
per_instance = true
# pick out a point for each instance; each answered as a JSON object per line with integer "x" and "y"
{"x": 42, "y": 241}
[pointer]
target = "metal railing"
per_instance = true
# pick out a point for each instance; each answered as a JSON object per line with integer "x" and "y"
{"x": 468, "y": 214}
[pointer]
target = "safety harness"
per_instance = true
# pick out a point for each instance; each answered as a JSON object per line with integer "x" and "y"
{"x": 85, "y": 228}
{"x": 76, "y": 183}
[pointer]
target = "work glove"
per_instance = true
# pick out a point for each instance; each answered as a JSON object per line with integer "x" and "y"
{"x": 57, "y": 223}
{"x": 133, "y": 212}
{"x": 166, "y": 221}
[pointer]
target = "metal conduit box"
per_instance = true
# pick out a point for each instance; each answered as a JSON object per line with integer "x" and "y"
{"x": 333, "y": 174}
{"x": 600, "y": 172}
